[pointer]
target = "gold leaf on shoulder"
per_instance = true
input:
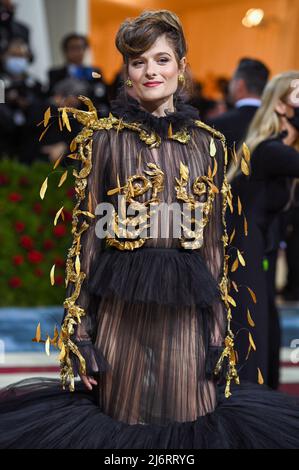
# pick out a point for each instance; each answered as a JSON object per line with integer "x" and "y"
{"x": 245, "y": 167}
{"x": 213, "y": 149}
{"x": 246, "y": 152}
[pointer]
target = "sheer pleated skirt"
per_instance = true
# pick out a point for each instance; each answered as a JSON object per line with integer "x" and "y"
{"x": 157, "y": 357}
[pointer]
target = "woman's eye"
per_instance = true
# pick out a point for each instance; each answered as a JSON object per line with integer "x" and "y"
{"x": 163, "y": 60}
{"x": 137, "y": 63}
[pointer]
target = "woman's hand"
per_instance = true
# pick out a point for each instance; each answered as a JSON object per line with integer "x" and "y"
{"x": 88, "y": 381}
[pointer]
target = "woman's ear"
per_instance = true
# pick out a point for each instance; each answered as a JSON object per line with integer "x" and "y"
{"x": 183, "y": 64}
{"x": 281, "y": 108}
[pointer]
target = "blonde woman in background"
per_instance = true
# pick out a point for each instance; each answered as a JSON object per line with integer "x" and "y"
{"x": 273, "y": 141}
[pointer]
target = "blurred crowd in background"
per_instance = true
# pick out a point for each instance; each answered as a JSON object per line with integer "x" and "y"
{"x": 26, "y": 98}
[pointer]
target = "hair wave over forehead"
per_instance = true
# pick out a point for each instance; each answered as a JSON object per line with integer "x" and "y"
{"x": 137, "y": 35}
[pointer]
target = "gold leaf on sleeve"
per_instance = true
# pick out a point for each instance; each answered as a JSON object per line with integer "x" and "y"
{"x": 43, "y": 188}
{"x": 252, "y": 294}
{"x": 249, "y": 319}
{"x": 241, "y": 259}
{"x": 44, "y": 133}
{"x": 78, "y": 265}
{"x": 235, "y": 265}
{"x": 47, "y": 117}
{"x": 251, "y": 341}
{"x": 232, "y": 236}
{"x": 65, "y": 120}
{"x": 245, "y": 226}
{"x": 52, "y": 275}
{"x": 215, "y": 168}
{"x": 231, "y": 301}
{"x": 63, "y": 179}
{"x": 47, "y": 346}
{"x": 239, "y": 206}
{"x": 37, "y": 334}
{"x": 58, "y": 215}
{"x": 260, "y": 377}
{"x": 57, "y": 162}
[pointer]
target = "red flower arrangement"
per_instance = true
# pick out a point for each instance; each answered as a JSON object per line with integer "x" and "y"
{"x": 15, "y": 197}
{"x": 19, "y": 226}
{"x": 18, "y": 260}
{"x": 15, "y": 282}
{"x": 59, "y": 230}
{"x": 35, "y": 257}
{"x": 26, "y": 242}
{"x": 4, "y": 180}
{"x": 48, "y": 244}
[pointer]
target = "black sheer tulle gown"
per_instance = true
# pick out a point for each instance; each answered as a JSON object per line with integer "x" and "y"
{"x": 149, "y": 317}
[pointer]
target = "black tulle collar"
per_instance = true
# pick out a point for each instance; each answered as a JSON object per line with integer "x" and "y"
{"x": 129, "y": 109}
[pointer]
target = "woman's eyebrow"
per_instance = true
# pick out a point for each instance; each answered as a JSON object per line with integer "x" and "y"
{"x": 158, "y": 53}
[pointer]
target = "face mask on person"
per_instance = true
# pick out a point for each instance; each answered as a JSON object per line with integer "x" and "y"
{"x": 6, "y": 16}
{"x": 16, "y": 65}
{"x": 294, "y": 121}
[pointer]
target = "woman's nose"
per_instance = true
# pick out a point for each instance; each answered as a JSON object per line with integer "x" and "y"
{"x": 150, "y": 70}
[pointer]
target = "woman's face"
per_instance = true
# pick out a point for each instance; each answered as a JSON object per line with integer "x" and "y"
{"x": 154, "y": 74}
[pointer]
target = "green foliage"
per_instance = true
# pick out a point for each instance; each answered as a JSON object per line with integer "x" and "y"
{"x": 27, "y": 220}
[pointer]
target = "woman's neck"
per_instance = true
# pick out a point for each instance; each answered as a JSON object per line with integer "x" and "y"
{"x": 157, "y": 108}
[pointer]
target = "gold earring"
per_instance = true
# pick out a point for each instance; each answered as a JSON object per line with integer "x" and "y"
{"x": 129, "y": 83}
{"x": 182, "y": 78}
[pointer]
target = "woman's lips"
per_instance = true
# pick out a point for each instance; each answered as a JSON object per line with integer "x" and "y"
{"x": 152, "y": 84}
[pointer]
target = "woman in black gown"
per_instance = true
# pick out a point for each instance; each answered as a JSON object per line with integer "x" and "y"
{"x": 147, "y": 318}
{"x": 273, "y": 140}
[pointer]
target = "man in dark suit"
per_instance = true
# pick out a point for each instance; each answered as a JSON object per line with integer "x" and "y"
{"x": 74, "y": 47}
{"x": 245, "y": 90}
